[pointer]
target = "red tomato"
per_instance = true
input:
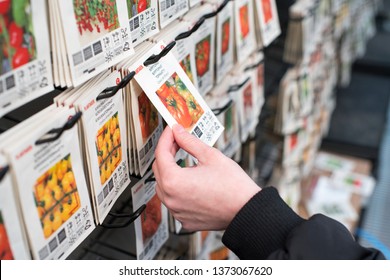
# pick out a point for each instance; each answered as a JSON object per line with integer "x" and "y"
{"x": 176, "y": 106}
{"x": 267, "y": 10}
{"x": 244, "y": 21}
{"x": 5, "y": 250}
{"x": 15, "y": 35}
{"x": 21, "y": 57}
{"x": 4, "y": 6}
{"x": 142, "y": 5}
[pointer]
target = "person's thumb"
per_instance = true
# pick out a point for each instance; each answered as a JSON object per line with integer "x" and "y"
{"x": 191, "y": 144}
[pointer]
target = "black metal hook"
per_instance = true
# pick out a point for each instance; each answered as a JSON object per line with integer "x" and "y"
{"x": 156, "y": 57}
{"x": 188, "y": 33}
{"x": 132, "y": 217}
{"x": 218, "y": 111}
{"x": 111, "y": 91}
{"x": 3, "y": 171}
{"x": 58, "y": 131}
{"x": 217, "y": 11}
{"x": 237, "y": 87}
{"x": 253, "y": 66}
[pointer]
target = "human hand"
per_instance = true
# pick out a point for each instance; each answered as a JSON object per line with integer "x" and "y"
{"x": 206, "y": 196}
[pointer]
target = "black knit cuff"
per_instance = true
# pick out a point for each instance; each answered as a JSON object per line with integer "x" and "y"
{"x": 261, "y": 226}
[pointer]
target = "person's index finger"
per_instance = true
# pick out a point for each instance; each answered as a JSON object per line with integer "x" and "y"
{"x": 166, "y": 149}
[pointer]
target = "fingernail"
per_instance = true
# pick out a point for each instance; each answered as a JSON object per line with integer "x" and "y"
{"x": 178, "y": 128}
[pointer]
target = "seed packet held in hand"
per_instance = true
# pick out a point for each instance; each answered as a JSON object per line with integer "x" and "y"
{"x": 175, "y": 97}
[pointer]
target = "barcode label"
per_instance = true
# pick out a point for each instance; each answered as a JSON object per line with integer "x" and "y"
{"x": 134, "y": 23}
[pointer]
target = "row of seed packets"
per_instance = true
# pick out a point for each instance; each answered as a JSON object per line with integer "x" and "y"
{"x": 209, "y": 47}
{"x": 47, "y": 211}
{"x": 86, "y": 38}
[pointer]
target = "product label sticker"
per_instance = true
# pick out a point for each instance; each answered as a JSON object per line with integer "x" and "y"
{"x": 97, "y": 36}
{"x": 143, "y": 15}
{"x": 151, "y": 228}
{"x": 53, "y": 191}
{"x": 175, "y": 97}
{"x": 26, "y": 71}
{"x": 104, "y": 125}
{"x": 171, "y": 10}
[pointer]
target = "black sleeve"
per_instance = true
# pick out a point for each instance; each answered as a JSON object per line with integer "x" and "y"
{"x": 267, "y": 228}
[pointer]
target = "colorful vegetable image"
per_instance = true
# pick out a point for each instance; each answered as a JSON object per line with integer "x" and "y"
{"x": 244, "y": 21}
{"x": 186, "y": 65}
{"x": 95, "y": 18}
{"x": 135, "y": 7}
{"x": 151, "y": 218}
{"x": 202, "y": 56}
{"x": 56, "y": 196}
{"x": 225, "y": 36}
{"x": 148, "y": 116}
{"x": 108, "y": 148}
{"x": 260, "y": 75}
{"x": 180, "y": 103}
{"x": 229, "y": 123}
{"x": 5, "y": 247}
{"x": 267, "y": 10}
{"x": 248, "y": 101}
{"x": 17, "y": 39}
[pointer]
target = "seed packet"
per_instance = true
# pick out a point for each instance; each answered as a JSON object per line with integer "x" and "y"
{"x": 104, "y": 126}
{"x": 175, "y": 97}
{"x": 53, "y": 192}
{"x": 243, "y": 92}
{"x": 151, "y": 228}
{"x": 226, "y": 111}
{"x": 127, "y": 96}
{"x": 148, "y": 127}
{"x": 292, "y": 148}
{"x": 143, "y": 15}
{"x": 183, "y": 51}
{"x": 13, "y": 242}
{"x": 224, "y": 47}
{"x": 357, "y": 183}
{"x": 170, "y": 10}
{"x": 289, "y": 104}
{"x": 268, "y": 19}
{"x": 244, "y": 29}
{"x": 25, "y": 72}
{"x": 255, "y": 66}
{"x": 97, "y": 36}
{"x": 203, "y": 40}
{"x": 329, "y": 162}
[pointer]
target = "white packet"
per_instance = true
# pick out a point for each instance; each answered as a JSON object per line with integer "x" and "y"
{"x": 175, "y": 97}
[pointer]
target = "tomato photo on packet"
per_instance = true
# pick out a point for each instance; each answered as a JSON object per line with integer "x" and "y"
{"x": 56, "y": 196}
{"x": 17, "y": 39}
{"x": 267, "y": 10}
{"x": 225, "y": 36}
{"x": 244, "y": 21}
{"x": 148, "y": 116}
{"x": 175, "y": 104}
{"x": 5, "y": 247}
{"x": 151, "y": 218}
{"x": 202, "y": 56}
